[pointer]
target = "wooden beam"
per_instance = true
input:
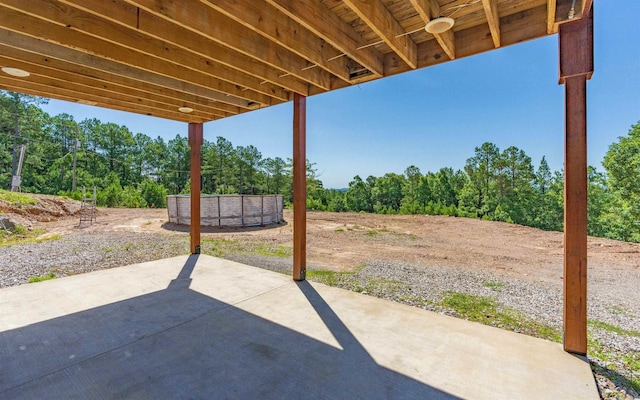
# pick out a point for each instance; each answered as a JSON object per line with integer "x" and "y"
{"x": 48, "y": 49}
{"x": 266, "y": 20}
{"x": 44, "y": 65}
{"x": 551, "y": 17}
{"x": 195, "y": 144}
{"x": 575, "y": 217}
{"x": 299, "y": 187}
{"x": 105, "y": 88}
{"x": 516, "y": 28}
{"x": 130, "y": 16}
{"x": 586, "y": 7}
{"x": 36, "y": 89}
{"x": 493, "y": 19}
{"x": 576, "y": 48}
{"x": 429, "y": 9}
{"x": 320, "y": 20}
{"x": 60, "y": 24}
{"x": 576, "y": 66}
{"x": 47, "y": 83}
{"x": 223, "y": 30}
{"x": 379, "y": 19}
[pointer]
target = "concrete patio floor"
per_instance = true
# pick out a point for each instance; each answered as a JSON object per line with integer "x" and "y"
{"x": 205, "y": 328}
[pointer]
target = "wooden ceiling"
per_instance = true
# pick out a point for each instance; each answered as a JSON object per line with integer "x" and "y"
{"x": 225, "y": 57}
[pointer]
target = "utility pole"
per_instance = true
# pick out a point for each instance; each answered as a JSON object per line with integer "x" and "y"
{"x": 14, "y": 159}
{"x": 16, "y": 181}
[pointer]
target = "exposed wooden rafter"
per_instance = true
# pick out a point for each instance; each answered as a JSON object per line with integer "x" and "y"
{"x": 223, "y": 30}
{"x": 59, "y": 52}
{"x": 42, "y": 86}
{"x": 119, "y": 12}
{"x": 226, "y": 57}
{"x": 383, "y": 23}
{"x": 429, "y": 9}
{"x": 333, "y": 30}
{"x": 551, "y": 17}
{"x": 266, "y": 20}
{"x": 111, "y": 86}
{"x": 58, "y": 23}
{"x": 493, "y": 19}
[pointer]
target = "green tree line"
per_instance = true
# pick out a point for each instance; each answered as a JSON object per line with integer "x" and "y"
{"x": 503, "y": 185}
{"x": 129, "y": 170}
{"x": 136, "y": 170}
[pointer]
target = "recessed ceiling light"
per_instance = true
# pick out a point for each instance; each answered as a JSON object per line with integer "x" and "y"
{"x": 185, "y": 110}
{"x": 439, "y": 25}
{"x": 87, "y": 102}
{"x": 20, "y": 73}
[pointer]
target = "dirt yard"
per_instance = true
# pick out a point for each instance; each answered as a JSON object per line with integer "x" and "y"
{"x": 412, "y": 259}
{"x": 342, "y": 241}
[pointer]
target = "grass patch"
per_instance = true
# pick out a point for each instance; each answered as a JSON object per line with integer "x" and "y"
{"x": 415, "y": 300}
{"x": 473, "y": 308}
{"x": 485, "y": 310}
{"x": 609, "y": 365}
{"x": 372, "y": 233}
{"x": 339, "y": 230}
{"x": 23, "y": 236}
{"x": 47, "y": 277}
{"x": 344, "y": 279}
{"x": 622, "y": 368}
{"x": 224, "y": 247}
{"x": 330, "y": 278}
{"x": 612, "y": 328}
{"x": 16, "y": 199}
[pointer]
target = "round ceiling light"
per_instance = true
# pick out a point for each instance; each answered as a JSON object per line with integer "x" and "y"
{"x": 185, "y": 110}
{"x": 20, "y": 73}
{"x": 439, "y": 25}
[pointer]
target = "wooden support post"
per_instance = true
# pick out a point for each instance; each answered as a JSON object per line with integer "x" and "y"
{"x": 299, "y": 187}
{"x": 576, "y": 66}
{"x": 195, "y": 144}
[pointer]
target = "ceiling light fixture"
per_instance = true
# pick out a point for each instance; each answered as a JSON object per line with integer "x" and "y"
{"x": 439, "y": 25}
{"x": 185, "y": 110}
{"x": 20, "y": 73}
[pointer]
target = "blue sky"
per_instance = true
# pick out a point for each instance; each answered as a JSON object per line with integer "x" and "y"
{"x": 435, "y": 117}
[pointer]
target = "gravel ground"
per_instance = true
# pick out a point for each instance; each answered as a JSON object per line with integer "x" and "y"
{"x": 418, "y": 285}
{"x": 79, "y": 253}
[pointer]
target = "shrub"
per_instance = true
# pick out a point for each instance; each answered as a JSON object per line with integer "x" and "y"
{"x": 16, "y": 199}
{"x": 154, "y": 194}
{"x": 132, "y": 198}
{"x": 111, "y": 195}
{"x": 77, "y": 195}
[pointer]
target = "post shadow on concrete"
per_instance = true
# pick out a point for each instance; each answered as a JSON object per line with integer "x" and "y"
{"x": 178, "y": 343}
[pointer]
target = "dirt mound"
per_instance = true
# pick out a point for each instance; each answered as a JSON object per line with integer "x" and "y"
{"x": 46, "y": 209}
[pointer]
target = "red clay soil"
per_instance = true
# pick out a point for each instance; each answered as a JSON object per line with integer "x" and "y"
{"x": 342, "y": 241}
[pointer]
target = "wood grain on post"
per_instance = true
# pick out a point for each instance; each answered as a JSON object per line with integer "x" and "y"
{"x": 299, "y": 187}
{"x": 576, "y": 66}
{"x": 195, "y": 144}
